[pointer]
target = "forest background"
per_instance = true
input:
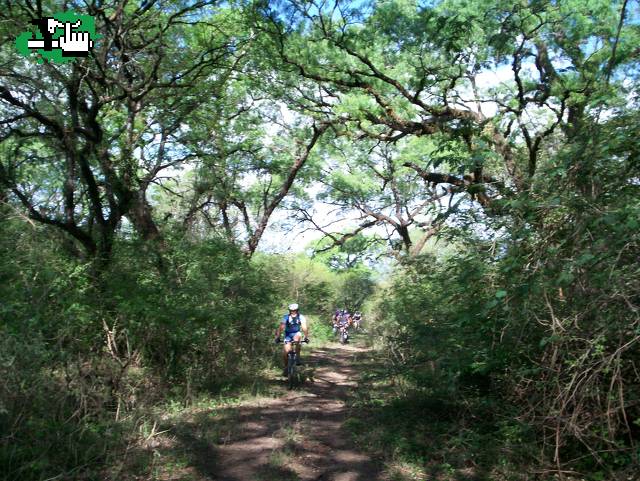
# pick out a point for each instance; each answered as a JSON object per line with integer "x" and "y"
{"x": 471, "y": 169}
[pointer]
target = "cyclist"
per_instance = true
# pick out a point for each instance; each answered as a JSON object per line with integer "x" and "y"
{"x": 344, "y": 321}
{"x": 357, "y": 319}
{"x": 292, "y": 324}
{"x": 335, "y": 320}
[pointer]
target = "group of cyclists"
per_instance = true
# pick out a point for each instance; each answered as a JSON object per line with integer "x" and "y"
{"x": 342, "y": 320}
{"x": 296, "y": 329}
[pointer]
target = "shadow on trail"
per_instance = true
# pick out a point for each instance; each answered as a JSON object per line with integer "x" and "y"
{"x": 299, "y": 436}
{"x": 308, "y": 434}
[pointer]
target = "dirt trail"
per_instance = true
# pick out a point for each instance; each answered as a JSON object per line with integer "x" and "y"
{"x": 300, "y": 436}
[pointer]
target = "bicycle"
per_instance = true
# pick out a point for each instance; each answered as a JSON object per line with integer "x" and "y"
{"x": 344, "y": 335}
{"x": 292, "y": 361}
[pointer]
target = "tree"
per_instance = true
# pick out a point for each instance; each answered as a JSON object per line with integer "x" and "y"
{"x": 88, "y": 139}
{"x": 400, "y": 71}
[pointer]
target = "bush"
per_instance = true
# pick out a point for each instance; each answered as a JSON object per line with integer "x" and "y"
{"x": 81, "y": 353}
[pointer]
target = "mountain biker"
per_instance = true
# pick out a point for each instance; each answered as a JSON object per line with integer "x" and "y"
{"x": 344, "y": 320}
{"x": 292, "y": 324}
{"x": 335, "y": 319}
{"x": 357, "y": 319}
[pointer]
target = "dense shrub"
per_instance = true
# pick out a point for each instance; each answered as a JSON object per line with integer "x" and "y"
{"x": 542, "y": 320}
{"x": 81, "y": 350}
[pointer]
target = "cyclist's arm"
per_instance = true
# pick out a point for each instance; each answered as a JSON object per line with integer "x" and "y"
{"x": 280, "y": 329}
{"x": 304, "y": 326}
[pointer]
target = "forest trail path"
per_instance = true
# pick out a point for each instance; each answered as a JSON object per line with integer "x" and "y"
{"x": 300, "y": 436}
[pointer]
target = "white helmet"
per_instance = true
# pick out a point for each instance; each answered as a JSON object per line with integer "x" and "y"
{"x": 293, "y": 307}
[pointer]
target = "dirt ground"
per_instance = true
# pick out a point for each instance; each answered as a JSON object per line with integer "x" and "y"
{"x": 299, "y": 436}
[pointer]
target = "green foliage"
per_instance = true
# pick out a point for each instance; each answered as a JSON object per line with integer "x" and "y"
{"x": 355, "y": 287}
{"x": 541, "y": 321}
{"x": 302, "y": 280}
{"x": 320, "y": 330}
{"x": 155, "y": 159}
{"x": 356, "y": 252}
{"x": 102, "y": 347}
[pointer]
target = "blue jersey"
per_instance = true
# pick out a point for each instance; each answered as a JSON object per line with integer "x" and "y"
{"x": 292, "y": 324}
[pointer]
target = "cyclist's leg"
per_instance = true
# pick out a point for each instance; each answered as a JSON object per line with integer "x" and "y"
{"x": 285, "y": 350}
{"x": 298, "y": 337}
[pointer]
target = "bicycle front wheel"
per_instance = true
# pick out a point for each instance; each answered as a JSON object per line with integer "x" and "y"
{"x": 291, "y": 371}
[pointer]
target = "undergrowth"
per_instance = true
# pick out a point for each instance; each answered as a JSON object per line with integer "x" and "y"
{"x": 434, "y": 432}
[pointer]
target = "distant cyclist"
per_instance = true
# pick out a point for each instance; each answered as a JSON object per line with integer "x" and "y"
{"x": 335, "y": 320}
{"x": 343, "y": 321}
{"x": 292, "y": 324}
{"x": 357, "y": 319}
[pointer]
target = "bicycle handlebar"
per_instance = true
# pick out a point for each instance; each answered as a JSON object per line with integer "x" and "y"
{"x": 305, "y": 340}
